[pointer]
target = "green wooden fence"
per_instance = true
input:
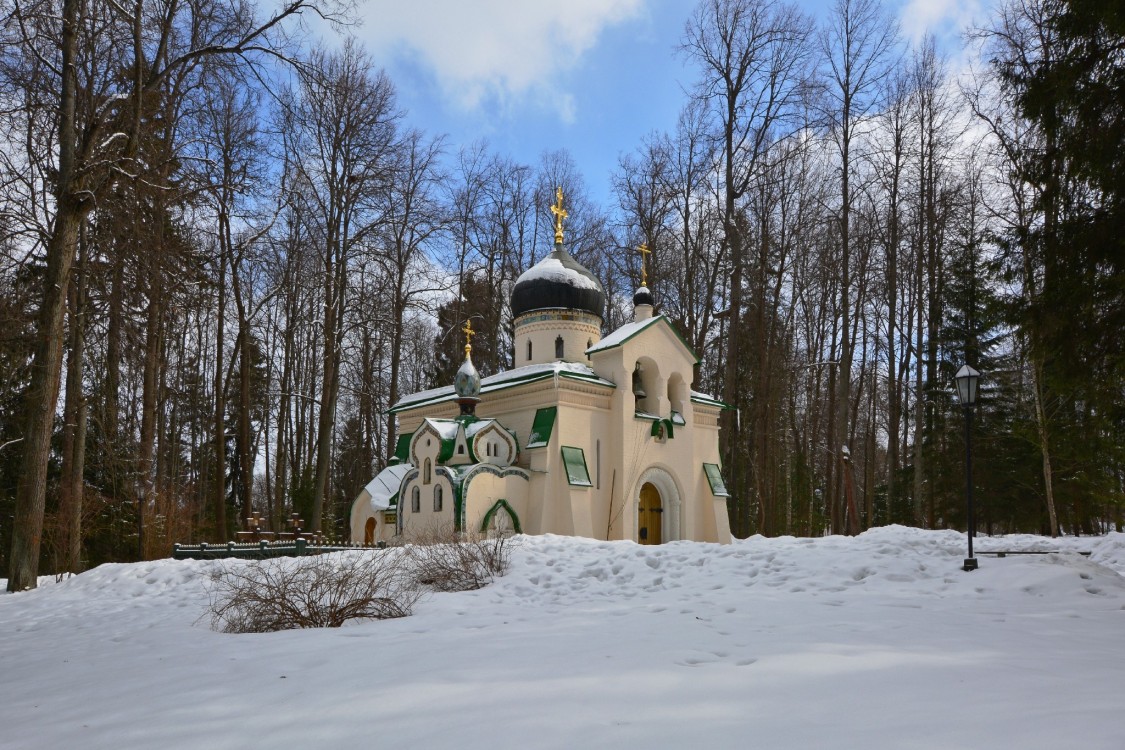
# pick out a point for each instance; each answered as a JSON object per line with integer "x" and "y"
{"x": 255, "y": 550}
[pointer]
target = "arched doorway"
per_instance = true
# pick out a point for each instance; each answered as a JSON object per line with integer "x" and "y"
{"x": 369, "y": 532}
{"x": 500, "y": 521}
{"x": 650, "y": 512}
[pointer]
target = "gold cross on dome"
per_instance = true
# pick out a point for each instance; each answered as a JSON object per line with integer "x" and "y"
{"x": 469, "y": 333}
{"x": 560, "y": 214}
{"x": 644, "y": 251}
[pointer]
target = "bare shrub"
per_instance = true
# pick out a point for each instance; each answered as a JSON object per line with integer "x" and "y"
{"x": 320, "y": 591}
{"x": 445, "y": 561}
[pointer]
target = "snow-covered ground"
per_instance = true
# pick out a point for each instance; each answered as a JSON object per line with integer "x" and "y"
{"x": 875, "y": 642}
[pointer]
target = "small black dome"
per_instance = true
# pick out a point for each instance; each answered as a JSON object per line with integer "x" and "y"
{"x": 642, "y": 297}
{"x": 558, "y": 281}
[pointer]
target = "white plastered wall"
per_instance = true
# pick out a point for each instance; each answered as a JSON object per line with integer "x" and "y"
{"x": 485, "y": 489}
{"x": 590, "y": 415}
{"x": 674, "y": 463}
{"x": 541, "y": 328}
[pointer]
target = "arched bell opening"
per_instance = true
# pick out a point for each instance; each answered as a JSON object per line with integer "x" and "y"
{"x": 647, "y": 385}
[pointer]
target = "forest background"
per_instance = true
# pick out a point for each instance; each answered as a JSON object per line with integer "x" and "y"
{"x": 226, "y": 251}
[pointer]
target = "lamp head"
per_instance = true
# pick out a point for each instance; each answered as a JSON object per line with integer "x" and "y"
{"x": 967, "y": 380}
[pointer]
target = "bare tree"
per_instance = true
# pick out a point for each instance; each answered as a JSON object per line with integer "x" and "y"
{"x": 857, "y": 47}
{"x": 95, "y": 64}
{"x": 344, "y": 119}
{"x": 412, "y": 219}
{"x": 754, "y": 61}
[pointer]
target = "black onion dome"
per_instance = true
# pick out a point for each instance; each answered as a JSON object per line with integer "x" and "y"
{"x": 642, "y": 297}
{"x": 558, "y": 281}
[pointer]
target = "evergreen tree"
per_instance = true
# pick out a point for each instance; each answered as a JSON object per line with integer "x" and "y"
{"x": 481, "y": 306}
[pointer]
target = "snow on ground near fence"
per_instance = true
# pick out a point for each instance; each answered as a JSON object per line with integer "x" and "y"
{"x": 875, "y": 642}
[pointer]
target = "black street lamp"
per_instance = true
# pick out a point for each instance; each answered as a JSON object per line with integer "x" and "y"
{"x": 967, "y": 379}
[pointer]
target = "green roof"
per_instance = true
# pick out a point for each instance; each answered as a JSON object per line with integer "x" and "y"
{"x": 504, "y": 380}
{"x": 542, "y": 427}
{"x": 402, "y": 447}
{"x": 576, "y": 472}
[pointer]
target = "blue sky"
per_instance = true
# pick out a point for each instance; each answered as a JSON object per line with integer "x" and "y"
{"x": 591, "y": 76}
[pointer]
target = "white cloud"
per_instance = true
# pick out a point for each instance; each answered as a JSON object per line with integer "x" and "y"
{"x": 939, "y": 17}
{"x": 494, "y": 50}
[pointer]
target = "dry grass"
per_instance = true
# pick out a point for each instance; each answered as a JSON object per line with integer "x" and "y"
{"x": 445, "y": 561}
{"x": 319, "y": 591}
{"x": 325, "y": 591}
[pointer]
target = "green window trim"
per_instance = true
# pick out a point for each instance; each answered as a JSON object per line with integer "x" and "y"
{"x": 574, "y": 460}
{"x": 663, "y": 425}
{"x": 715, "y": 479}
{"x": 542, "y": 427}
{"x": 501, "y": 503}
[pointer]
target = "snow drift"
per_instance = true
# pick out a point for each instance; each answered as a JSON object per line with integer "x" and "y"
{"x": 880, "y": 641}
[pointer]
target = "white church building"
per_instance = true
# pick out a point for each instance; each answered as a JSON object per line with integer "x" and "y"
{"x": 593, "y": 436}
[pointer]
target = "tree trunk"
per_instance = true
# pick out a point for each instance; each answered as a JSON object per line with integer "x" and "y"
{"x": 219, "y": 478}
{"x": 1044, "y": 448}
{"x": 74, "y": 429}
{"x": 42, "y": 394}
{"x": 40, "y": 399}
{"x": 146, "y": 494}
{"x": 327, "y": 418}
{"x": 242, "y": 439}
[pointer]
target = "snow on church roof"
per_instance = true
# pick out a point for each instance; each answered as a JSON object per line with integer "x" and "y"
{"x": 629, "y": 330}
{"x": 385, "y": 485}
{"x": 507, "y": 379}
{"x": 558, "y": 282}
{"x": 623, "y": 334}
{"x": 552, "y": 269}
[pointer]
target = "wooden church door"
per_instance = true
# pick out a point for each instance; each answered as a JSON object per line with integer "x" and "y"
{"x": 650, "y": 521}
{"x": 369, "y": 532}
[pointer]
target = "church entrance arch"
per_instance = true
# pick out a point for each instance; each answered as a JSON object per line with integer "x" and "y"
{"x": 650, "y": 523}
{"x": 500, "y": 521}
{"x": 369, "y": 532}
{"x": 658, "y": 502}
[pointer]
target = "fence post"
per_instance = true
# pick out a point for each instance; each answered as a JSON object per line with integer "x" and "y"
{"x": 301, "y": 543}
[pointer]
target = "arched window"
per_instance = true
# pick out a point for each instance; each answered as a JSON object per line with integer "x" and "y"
{"x": 437, "y": 498}
{"x": 426, "y": 472}
{"x": 415, "y": 500}
{"x": 460, "y": 450}
{"x": 559, "y": 347}
{"x": 528, "y": 351}
{"x": 677, "y": 392}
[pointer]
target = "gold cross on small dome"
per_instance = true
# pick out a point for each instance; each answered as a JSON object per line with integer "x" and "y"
{"x": 469, "y": 333}
{"x": 560, "y": 214}
{"x": 644, "y": 251}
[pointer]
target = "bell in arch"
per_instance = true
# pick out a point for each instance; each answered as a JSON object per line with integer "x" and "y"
{"x": 638, "y": 387}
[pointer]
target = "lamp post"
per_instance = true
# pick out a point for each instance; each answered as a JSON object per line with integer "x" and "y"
{"x": 967, "y": 379}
